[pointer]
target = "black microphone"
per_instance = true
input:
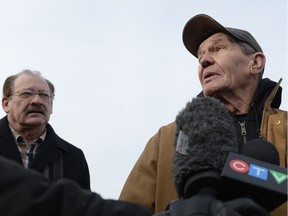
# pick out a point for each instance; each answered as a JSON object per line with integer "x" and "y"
{"x": 205, "y": 134}
{"x": 255, "y": 173}
{"x": 261, "y": 149}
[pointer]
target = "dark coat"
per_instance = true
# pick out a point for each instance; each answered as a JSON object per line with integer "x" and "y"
{"x": 24, "y": 192}
{"x": 56, "y": 158}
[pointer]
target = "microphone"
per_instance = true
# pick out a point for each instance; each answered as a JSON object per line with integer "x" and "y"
{"x": 205, "y": 134}
{"x": 256, "y": 173}
{"x": 261, "y": 149}
{"x": 205, "y": 138}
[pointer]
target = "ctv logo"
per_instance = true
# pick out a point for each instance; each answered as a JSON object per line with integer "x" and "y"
{"x": 256, "y": 171}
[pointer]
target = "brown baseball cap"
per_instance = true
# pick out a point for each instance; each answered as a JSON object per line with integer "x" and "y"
{"x": 202, "y": 26}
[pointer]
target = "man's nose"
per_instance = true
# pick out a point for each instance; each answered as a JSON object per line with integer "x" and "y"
{"x": 206, "y": 60}
{"x": 36, "y": 98}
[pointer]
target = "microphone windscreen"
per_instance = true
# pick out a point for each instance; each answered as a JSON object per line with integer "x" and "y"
{"x": 205, "y": 134}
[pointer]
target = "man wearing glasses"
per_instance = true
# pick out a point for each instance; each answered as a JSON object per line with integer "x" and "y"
{"x": 26, "y": 136}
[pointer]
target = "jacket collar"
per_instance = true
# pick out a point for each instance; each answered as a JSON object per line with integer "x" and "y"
{"x": 274, "y": 97}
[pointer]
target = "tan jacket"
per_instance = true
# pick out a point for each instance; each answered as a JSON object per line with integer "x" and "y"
{"x": 150, "y": 181}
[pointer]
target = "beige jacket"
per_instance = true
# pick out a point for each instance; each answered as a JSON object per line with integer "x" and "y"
{"x": 150, "y": 181}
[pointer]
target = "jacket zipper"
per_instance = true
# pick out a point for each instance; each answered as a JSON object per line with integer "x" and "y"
{"x": 243, "y": 131}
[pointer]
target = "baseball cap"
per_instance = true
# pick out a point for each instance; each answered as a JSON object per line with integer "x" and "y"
{"x": 202, "y": 26}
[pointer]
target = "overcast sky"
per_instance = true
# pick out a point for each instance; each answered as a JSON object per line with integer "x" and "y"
{"x": 120, "y": 68}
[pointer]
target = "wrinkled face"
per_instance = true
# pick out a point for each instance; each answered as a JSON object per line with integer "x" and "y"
{"x": 223, "y": 67}
{"x": 25, "y": 109}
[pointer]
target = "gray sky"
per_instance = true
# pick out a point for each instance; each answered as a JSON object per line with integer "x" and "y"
{"x": 120, "y": 67}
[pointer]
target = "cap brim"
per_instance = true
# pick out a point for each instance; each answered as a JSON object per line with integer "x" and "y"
{"x": 199, "y": 28}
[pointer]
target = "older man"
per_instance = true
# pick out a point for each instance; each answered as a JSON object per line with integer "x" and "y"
{"x": 231, "y": 66}
{"x": 28, "y": 138}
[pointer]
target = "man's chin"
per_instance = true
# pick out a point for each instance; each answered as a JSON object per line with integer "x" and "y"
{"x": 35, "y": 122}
{"x": 209, "y": 93}
{"x": 211, "y": 90}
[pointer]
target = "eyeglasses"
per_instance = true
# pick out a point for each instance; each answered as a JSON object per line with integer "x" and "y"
{"x": 30, "y": 93}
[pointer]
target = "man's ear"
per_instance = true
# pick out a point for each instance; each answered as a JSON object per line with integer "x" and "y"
{"x": 258, "y": 61}
{"x": 5, "y": 105}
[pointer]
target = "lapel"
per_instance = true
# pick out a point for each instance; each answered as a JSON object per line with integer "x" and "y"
{"x": 8, "y": 147}
{"x": 49, "y": 151}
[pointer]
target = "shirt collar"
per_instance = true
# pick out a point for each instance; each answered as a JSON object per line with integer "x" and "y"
{"x": 19, "y": 139}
